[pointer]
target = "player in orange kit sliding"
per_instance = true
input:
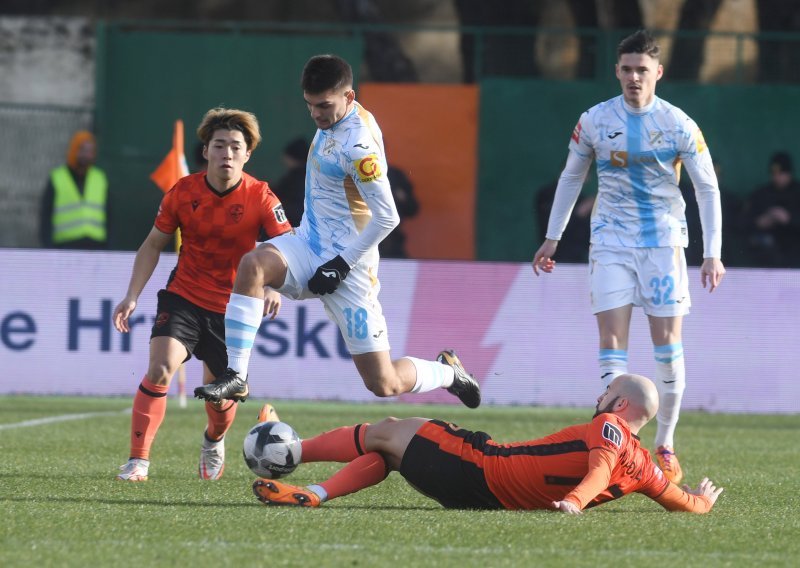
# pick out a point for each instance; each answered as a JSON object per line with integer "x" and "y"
{"x": 221, "y": 214}
{"x": 578, "y": 467}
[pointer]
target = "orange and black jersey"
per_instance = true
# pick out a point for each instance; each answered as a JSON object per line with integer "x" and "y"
{"x": 588, "y": 464}
{"x": 217, "y": 229}
{"x": 533, "y": 474}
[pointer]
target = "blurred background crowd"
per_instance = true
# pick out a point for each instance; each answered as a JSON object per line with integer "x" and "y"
{"x": 90, "y": 88}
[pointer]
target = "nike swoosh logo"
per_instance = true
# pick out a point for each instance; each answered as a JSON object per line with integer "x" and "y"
{"x": 604, "y": 375}
{"x": 612, "y": 136}
{"x": 669, "y": 382}
{"x": 329, "y": 273}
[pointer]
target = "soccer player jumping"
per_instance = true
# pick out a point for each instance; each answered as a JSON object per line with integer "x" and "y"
{"x": 333, "y": 254}
{"x": 638, "y": 226}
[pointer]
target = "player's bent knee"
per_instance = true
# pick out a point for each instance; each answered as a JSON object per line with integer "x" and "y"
{"x": 250, "y": 267}
{"x": 160, "y": 374}
{"x": 384, "y": 388}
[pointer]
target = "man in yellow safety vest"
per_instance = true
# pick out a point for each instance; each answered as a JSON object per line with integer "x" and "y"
{"x": 74, "y": 212}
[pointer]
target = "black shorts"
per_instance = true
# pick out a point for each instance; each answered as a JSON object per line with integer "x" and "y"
{"x": 435, "y": 465}
{"x": 201, "y": 331}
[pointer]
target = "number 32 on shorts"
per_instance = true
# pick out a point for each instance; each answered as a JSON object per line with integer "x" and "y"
{"x": 662, "y": 290}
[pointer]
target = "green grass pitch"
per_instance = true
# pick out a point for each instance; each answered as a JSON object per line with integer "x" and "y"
{"x": 62, "y": 507}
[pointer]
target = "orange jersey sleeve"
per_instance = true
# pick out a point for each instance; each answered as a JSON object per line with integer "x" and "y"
{"x": 673, "y": 498}
{"x": 217, "y": 229}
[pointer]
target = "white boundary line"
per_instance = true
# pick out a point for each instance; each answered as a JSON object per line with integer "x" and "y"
{"x": 61, "y": 418}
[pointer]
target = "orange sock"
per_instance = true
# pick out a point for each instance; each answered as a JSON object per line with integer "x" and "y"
{"x": 364, "y": 471}
{"x": 220, "y": 418}
{"x": 340, "y": 445}
{"x": 149, "y": 407}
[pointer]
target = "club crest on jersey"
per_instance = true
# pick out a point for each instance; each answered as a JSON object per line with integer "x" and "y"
{"x": 368, "y": 168}
{"x": 280, "y": 214}
{"x": 236, "y": 212}
{"x": 656, "y": 138}
{"x": 576, "y": 133}
{"x": 612, "y": 433}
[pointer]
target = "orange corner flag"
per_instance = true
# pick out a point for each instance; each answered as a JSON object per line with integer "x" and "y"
{"x": 173, "y": 167}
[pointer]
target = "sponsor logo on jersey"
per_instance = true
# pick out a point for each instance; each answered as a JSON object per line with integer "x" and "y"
{"x": 619, "y": 159}
{"x": 280, "y": 214}
{"x": 700, "y": 141}
{"x": 236, "y": 212}
{"x": 368, "y": 168}
{"x": 576, "y": 133}
{"x": 612, "y": 433}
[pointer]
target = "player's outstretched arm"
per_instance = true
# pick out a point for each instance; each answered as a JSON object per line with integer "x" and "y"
{"x": 711, "y": 273}
{"x": 543, "y": 259}
{"x": 699, "y": 500}
{"x": 143, "y": 266}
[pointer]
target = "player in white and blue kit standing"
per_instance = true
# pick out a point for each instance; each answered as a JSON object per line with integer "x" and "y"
{"x": 638, "y": 227}
{"x": 333, "y": 254}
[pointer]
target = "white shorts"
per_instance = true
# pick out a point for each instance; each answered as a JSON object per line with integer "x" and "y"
{"x": 654, "y": 278}
{"x": 354, "y": 306}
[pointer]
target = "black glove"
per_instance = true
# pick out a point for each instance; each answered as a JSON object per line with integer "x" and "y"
{"x": 328, "y": 276}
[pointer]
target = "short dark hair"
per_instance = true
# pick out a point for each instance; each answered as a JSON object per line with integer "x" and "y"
{"x": 782, "y": 160}
{"x": 323, "y": 73}
{"x": 639, "y": 42}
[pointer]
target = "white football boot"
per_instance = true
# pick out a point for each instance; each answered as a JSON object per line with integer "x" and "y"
{"x": 212, "y": 459}
{"x": 134, "y": 470}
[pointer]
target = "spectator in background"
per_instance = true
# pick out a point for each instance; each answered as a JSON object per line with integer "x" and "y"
{"x": 291, "y": 188}
{"x": 574, "y": 244}
{"x": 394, "y": 245}
{"x": 772, "y": 215}
{"x": 74, "y": 211}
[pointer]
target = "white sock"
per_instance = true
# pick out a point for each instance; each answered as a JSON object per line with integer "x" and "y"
{"x": 319, "y": 491}
{"x": 670, "y": 381}
{"x": 242, "y": 319}
{"x": 431, "y": 375}
{"x": 613, "y": 363}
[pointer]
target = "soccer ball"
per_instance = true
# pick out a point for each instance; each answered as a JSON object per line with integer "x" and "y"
{"x": 272, "y": 449}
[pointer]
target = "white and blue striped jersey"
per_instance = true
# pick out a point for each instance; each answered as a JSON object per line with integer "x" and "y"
{"x": 349, "y": 206}
{"x": 639, "y": 153}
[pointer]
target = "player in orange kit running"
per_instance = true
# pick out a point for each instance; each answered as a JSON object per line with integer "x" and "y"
{"x": 221, "y": 214}
{"x": 578, "y": 467}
